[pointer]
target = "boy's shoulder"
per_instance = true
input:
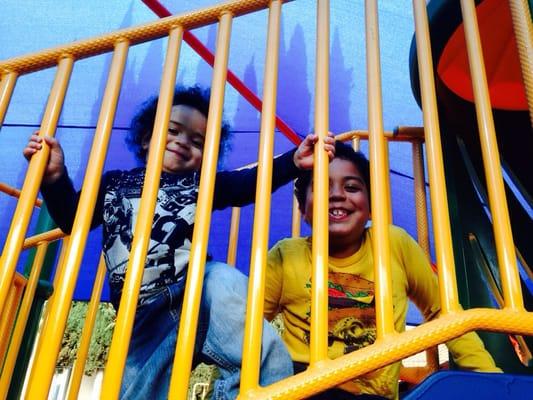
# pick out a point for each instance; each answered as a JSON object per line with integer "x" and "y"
{"x": 294, "y": 244}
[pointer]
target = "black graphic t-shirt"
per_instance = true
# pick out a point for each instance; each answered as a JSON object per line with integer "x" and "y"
{"x": 117, "y": 207}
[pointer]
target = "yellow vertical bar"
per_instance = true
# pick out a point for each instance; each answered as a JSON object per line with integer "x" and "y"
{"x": 256, "y": 288}
{"x": 420, "y": 196}
{"x": 432, "y": 355}
{"x": 233, "y": 235}
{"x": 139, "y": 247}
{"x": 6, "y": 322}
{"x": 193, "y": 288}
{"x": 59, "y": 305}
{"x": 20, "y": 325}
{"x": 296, "y": 218}
{"x": 320, "y": 240}
{"x": 37, "y": 165}
{"x": 379, "y": 176}
{"x": 356, "y": 143}
{"x": 512, "y": 291}
{"x": 7, "y": 84}
{"x": 523, "y": 29}
{"x": 437, "y": 188}
{"x": 86, "y": 334}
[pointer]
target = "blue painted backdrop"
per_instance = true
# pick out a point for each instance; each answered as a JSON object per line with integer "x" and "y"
{"x": 30, "y": 26}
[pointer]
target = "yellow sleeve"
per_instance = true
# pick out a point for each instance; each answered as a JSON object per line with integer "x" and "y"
{"x": 273, "y": 282}
{"x": 468, "y": 351}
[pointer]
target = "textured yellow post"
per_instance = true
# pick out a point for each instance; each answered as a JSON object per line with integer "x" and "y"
{"x": 512, "y": 291}
{"x": 251, "y": 359}
{"x": 233, "y": 235}
{"x": 139, "y": 247}
{"x": 7, "y": 84}
{"x": 59, "y": 305}
{"x": 193, "y": 288}
{"x": 379, "y": 177}
{"x": 439, "y": 201}
{"x": 86, "y": 334}
{"x": 32, "y": 182}
{"x": 320, "y": 241}
{"x": 22, "y": 319}
{"x": 523, "y": 29}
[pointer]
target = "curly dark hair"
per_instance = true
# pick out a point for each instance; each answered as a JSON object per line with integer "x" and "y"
{"x": 342, "y": 151}
{"x": 143, "y": 122}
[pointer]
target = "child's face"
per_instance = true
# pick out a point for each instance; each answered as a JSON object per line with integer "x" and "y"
{"x": 185, "y": 140}
{"x": 349, "y": 208}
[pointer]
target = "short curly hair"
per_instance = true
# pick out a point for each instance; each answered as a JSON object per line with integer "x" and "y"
{"x": 143, "y": 122}
{"x": 342, "y": 151}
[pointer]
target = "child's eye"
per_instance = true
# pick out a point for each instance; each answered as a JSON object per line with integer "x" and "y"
{"x": 352, "y": 188}
{"x": 198, "y": 143}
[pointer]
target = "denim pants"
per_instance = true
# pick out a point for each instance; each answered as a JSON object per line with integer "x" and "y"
{"x": 219, "y": 338}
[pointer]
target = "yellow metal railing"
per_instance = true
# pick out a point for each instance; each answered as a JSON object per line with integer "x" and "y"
{"x": 323, "y": 373}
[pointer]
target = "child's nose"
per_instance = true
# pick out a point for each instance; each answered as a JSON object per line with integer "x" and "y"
{"x": 182, "y": 138}
{"x": 336, "y": 192}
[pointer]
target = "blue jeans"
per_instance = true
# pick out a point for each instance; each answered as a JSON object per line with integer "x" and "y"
{"x": 219, "y": 338}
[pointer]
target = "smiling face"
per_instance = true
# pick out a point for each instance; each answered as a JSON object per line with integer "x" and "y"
{"x": 349, "y": 208}
{"x": 185, "y": 140}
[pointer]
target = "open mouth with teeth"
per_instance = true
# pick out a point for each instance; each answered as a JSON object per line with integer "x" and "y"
{"x": 337, "y": 213}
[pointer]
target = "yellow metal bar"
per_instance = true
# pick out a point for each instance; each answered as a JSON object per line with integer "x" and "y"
{"x": 356, "y": 143}
{"x": 193, "y": 288}
{"x": 400, "y": 134}
{"x": 8, "y": 316}
{"x": 320, "y": 241}
{"x": 256, "y": 288}
{"x": 379, "y": 177}
{"x": 395, "y": 348}
{"x": 439, "y": 200}
{"x": 233, "y": 235}
{"x": 422, "y": 225}
{"x": 7, "y": 84}
{"x": 128, "y": 303}
{"x": 296, "y": 218}
{"x": 143, "y": 33}
{"x": 523, "y": 29}
{"x": 59, "y": 305}
{"x": 37, "y": 165}
{"x": 49, "y": 236}
{"x": 22, "y": 319}
{"x": 16, "y": 193}
{"x": 512, "y": 291}
{"x": 88, "y": 326}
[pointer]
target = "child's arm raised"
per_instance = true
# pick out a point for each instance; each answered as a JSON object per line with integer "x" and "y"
{"x": 237, "y": 188}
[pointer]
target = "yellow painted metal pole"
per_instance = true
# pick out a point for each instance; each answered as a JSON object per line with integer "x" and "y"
{"x": 512, "y": 291}
{"x": 379, "y": 177}
{"x": 7, "y": 319}
{"x": 59, "y": 305}
{"x": 356, "y": 143}
{"x": 233, "y": 235}
{"x": 422, "y": 225}
{"x": 49, "y": 236}
{"x": 523, "y": 29}
{"x": 134, "y": 271}
{"x": 296, "y": 219}
{"x": 32, "y": 182}
{"x": 320, "y": 240}
{"x": 253, "y": 328}
{"x": 86, "y": 334}
{"x": 10, "y": 190}
{"x": 439, "y": 200}
{"x": 7, "y": 84}
{"x": 20, "y": 325}
{"x": 193, "y": 288}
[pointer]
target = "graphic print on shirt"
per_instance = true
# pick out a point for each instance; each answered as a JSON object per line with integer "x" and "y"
{"x": 170, "y": 239}
{"x": 351, "y": 311}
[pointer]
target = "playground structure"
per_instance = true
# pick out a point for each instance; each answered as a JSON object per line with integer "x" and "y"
{"x": 477, "y": 247}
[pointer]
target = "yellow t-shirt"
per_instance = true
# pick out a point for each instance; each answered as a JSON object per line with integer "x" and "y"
{"x": 351, "y": 316}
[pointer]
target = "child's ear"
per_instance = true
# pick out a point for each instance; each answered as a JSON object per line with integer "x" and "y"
{"x": 145, "y": 142}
